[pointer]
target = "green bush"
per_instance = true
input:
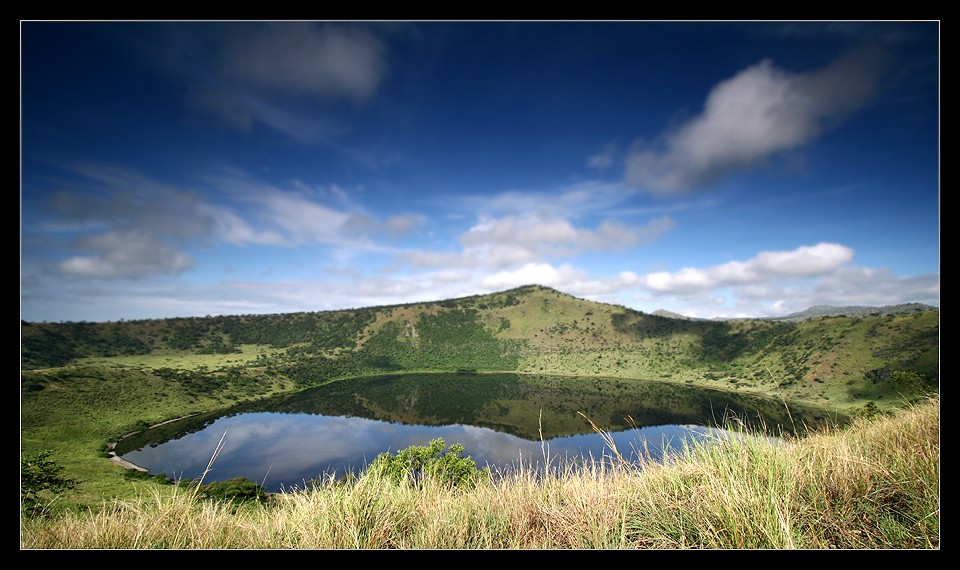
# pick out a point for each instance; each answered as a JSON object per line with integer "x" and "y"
{"x": 41, "y": 477}
{"x": 417, "y": 464}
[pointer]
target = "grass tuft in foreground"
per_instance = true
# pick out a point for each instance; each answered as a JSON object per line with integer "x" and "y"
{"x": 874, "y": 484}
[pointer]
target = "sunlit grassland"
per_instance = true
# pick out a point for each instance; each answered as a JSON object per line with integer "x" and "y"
{"x": 81, "y": 409}
{"x": 182, "y": 359}
{"x": 873, "y": 484}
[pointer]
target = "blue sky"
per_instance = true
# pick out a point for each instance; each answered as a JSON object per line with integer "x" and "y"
{"x": 175, "y": 169}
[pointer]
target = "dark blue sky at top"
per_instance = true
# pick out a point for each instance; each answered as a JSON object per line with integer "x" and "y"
{"x": 178, "y": 168}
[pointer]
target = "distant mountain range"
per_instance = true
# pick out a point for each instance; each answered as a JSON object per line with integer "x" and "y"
{"x": 852, "y": 311}
{"x": 818, "y": 311}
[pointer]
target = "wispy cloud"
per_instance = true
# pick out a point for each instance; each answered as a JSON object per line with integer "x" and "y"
{"x": 511, "y": 241}
{"x": 559, "y": 236}
{"x": 105, "y": 196}
{"x": 327, "y": 60}
{"x": 605, "y": 158}
{"x": 760, "y": 112}
{"x": 125, "y": 225}
{"x": 303, "y": 215}
{"x": 125, "y": 253}
{"x": 575, "y": 201}
{"x": 282, "y": 75}
{"x": 121, "y": 224}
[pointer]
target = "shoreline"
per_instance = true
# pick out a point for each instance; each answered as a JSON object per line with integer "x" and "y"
{"x": 111, "y": 446}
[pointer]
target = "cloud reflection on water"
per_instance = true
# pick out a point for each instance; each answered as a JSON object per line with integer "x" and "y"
{"x": 285, "y": 450}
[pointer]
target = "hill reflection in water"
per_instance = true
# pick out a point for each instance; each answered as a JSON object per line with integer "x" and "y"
{"x": 501, "y": 419}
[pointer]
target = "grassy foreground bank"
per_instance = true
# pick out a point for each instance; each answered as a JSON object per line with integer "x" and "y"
{"x": 874, "y": 484}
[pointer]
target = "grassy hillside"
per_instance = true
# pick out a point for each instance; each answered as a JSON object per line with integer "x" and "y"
{"x": 85, "y": 384}
{"x": 838, "y": 361}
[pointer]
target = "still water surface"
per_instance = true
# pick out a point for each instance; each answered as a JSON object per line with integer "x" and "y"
{"x": 501, "y": 419}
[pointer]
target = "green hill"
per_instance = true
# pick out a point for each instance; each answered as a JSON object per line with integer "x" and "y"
{"x": 835, "y": 360}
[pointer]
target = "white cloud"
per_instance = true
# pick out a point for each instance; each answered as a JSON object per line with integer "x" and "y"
{"x": 862, "y": 285}
{"x": 534, "y": 273}
{"x": 126, "y": 225}
{"x": 128, "y": 253}
{"x": 772, "y": 294}
{"x": 452, "y": 276}
{"x": 760, "y": 112}
{"x": 233, "y": 229}
{"x": 500, "y": 255}
{"x": 511, "y": 230}
{"x": 769, "y": 284}
{"x": 300, "y": 215}
{"x": 508, "y": 242}
{"x": 299, "y": 219}
{"x": 295, "y": 124}
{"x": 805, "y": 261}
{"x": 544, "y": 235}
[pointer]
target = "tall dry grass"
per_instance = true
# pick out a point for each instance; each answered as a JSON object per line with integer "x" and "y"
{"x": 874, "y": 484}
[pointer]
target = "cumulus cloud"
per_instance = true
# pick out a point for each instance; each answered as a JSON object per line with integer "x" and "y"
{"x": 805, "y": 261}
{"x": 768, "y": 284}
{"x": 540, "y": 273}
{"x": 777, "y": 288}
{"x": 760, "y": 112}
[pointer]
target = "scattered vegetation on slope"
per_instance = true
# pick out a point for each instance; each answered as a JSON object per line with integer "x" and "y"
{"x": 839, "y": 361}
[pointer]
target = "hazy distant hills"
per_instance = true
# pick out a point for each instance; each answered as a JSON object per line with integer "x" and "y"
{"x": 854, "y": 311}
{"x": 820, "y": 311}
{"x": 671, "y": 315}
